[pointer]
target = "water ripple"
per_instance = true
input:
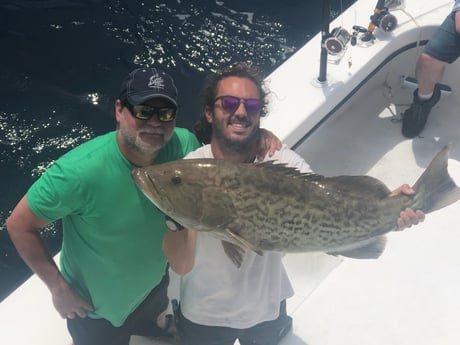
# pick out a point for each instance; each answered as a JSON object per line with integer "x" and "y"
{"x": 201, "y": 38}
{"x": 32, "y": 144}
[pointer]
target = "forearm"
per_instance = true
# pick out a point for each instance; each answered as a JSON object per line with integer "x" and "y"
{"x": 66, "y": 300}
{"x": 268, "y": 144}
{"x": 457, "y": 21}
{"x": 33, "y": 251}
{"x": 179, "y": 248}
{"x": 23, "y": 227}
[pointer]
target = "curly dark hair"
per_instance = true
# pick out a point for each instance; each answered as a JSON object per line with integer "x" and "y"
{"x": 202, "y": 128}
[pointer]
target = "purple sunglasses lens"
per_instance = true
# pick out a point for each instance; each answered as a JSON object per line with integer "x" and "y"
{"x": 253, "y": 106}
{"x": 231, "y": 104}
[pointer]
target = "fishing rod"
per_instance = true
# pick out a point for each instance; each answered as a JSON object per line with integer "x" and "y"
{"x": 335, "y": 42}
{"x": 326, "y": 9}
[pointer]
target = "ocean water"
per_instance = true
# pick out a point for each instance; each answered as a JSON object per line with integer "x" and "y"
{"x": 62, "y": 62}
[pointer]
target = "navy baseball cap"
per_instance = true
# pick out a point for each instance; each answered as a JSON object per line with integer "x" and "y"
{"x": 143, "y": 84}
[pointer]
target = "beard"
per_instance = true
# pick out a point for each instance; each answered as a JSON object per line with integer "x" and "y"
{"x": 133, "y": 140}
{"x": 235, "y": 143}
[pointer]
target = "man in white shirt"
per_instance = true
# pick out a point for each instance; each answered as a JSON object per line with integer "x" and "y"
{"x": 220, "y": 302}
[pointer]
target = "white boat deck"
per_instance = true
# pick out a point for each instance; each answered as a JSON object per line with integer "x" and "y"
{"x": 409, "y": 296}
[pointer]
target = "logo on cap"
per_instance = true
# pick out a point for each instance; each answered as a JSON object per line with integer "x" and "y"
{"x": 156, "y": 82}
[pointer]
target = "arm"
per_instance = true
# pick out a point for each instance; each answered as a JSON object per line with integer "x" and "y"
{"x": 408, "y": 217}
{"x": 23, "y": 227}
{"x": 268, "y": 143}
{"x": 179, "y": 248}
{"x": 457, "y": 21}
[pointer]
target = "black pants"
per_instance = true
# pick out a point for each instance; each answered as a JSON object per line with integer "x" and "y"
{"x": 142, "y": 321}
{"x": 265, "y": 333}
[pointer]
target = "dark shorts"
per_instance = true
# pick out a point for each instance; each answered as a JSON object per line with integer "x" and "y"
{"x": 265, "y": 333}
{"x": 444, "y": 45}
{"x": 142, "y": 321}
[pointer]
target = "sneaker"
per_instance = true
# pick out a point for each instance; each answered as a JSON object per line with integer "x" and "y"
{"x": 414, "y": 118}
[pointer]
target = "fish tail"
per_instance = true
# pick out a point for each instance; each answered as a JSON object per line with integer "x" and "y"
{"x": 435, "y": 185}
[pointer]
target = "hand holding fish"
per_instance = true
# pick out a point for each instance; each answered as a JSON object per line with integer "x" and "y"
{"x": 408, "y": 217}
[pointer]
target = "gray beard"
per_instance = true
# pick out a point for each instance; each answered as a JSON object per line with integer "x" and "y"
{"x": 132, "y": 143}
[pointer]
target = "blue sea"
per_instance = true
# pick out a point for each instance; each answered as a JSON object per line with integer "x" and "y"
{"x": 62, "y": 62}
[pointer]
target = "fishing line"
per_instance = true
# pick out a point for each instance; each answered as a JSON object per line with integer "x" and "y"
{"x": 387, "y": 86}
{"x": 355, "y": 20}
{"x": 417, "y": 47}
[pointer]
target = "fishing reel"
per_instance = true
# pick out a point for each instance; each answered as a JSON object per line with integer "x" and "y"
{"x": 384, "y": 20}
{"x": 381, "y": 19}
{"x": 337, "y": 41}
{"x": 356, "y": 31}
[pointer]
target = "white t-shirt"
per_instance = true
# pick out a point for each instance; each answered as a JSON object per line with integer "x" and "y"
{"x": 217, "y": 293}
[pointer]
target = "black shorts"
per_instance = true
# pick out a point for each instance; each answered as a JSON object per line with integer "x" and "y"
{"x": 444, "y": 45}
{"x": 142, "y": 321}
{"x": 265, "y": 333}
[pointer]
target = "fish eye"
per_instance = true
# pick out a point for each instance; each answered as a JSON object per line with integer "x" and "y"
{"x": 176, "y": 179}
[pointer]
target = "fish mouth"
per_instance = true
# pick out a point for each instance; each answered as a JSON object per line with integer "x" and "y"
{"x": 152, "y": 191}
{"x": 153, "y": 186}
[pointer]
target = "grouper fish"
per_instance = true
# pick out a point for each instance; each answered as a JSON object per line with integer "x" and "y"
{"x": 267, "y": 206}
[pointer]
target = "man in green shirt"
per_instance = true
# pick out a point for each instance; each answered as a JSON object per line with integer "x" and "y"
{"x": 113, "y": 275}
{"x": 115, "y": 252}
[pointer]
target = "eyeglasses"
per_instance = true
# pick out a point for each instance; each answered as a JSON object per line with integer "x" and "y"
{"x": 146, "y": 112}
{"x": 231, "y": 103}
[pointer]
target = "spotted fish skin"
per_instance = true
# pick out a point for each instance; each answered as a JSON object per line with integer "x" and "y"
{"x": 266, "y": 206}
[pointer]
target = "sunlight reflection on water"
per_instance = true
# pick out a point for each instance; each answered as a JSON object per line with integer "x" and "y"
{"x": 64, "y": 64}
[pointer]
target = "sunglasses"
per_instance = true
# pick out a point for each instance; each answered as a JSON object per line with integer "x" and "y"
{"x": 230, "y": 104}
{"x": 146, "y": 112}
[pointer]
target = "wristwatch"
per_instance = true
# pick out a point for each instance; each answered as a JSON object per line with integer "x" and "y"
{"x": 172, "y": 225}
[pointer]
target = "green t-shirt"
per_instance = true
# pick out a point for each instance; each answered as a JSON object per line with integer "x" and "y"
{"x": 112, "y": 234}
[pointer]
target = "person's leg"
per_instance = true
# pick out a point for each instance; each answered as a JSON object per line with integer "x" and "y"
{"x": 429, "y": 71}
{"x": 190, "y": 333}
{"x": 269, "y": 332}
{"x": 442, "y": 48}
{"x": 87, "y": 331}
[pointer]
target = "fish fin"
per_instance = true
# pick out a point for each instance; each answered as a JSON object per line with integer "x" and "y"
{"x": 347, "y": 184}
{"x": 234, "y": 252}
{"x": 242, "y": 242}
{"x": 372, "y": 249}
{"x": 282, "y": 168}
{"x": 439, "y": 189}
